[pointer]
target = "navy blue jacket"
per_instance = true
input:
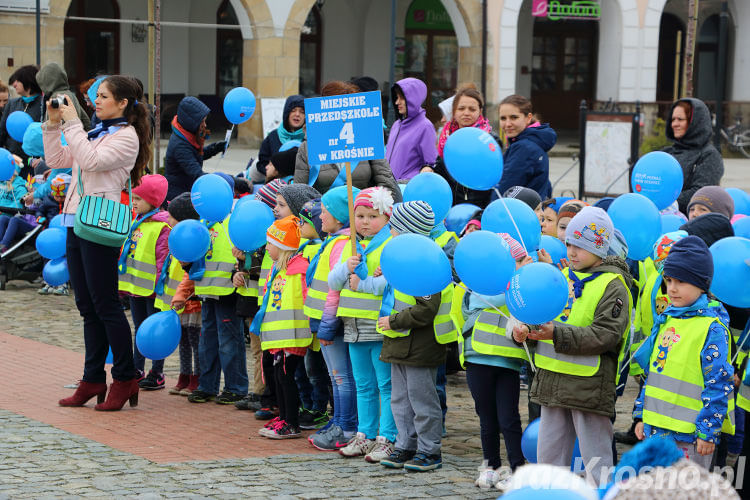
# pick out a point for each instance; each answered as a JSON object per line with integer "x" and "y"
{"x": 525, "y": 162}
{"x": 48, "y": 208}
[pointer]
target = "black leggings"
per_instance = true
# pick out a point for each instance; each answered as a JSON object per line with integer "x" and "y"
{"x": 287, "y": 394}
{"x": 496, "y": 392}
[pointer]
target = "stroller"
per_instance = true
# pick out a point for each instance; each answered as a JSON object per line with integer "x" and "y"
{"x": 21, "y": 261}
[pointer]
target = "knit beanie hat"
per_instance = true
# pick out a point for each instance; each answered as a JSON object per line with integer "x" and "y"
{"x": 59, "y": 184}
{"x": 413, "y": 217}
{"x": 32, "y": 143}
{"x": 267, "y": 193}
{"x": 663, "y": 245}
{"x": 526, "y": 195}
{"x": 516, "y": 249}
{"x": 715, "y": 198}
{"x": 310, "y": 213}
{"x": 617, "y": 244}
{"x": 591, "y": 229}
{"x": 571, "y": 208}
{"x": 604, "y": 203}
{"x": 228, "y": 178}
{"x": 297, "y": 195}
{"x": 690, "y": 261}
{"x": 556, "y": 203}
{"x": 181, "y": 208}
{"x": 284, "y": 162}
{"x": 284, "y": 233}
{"x": 153, "y": 189}
{"x": 709, "y": 227}
{"x": 336, "y": 201}
{"x": 378, "y": 198}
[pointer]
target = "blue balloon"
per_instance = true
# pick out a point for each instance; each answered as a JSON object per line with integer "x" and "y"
{"x": 639, "y": 221}
{"x": 239, "y": 105}
{"x": 57, "y": 221}
{"x": 576, "y": 455}
{"x": 473, "y": 158}
{"x": 671, "y": 222}
{"x": 159, "y": 335}
{"x": 496, "y": 218}
{"x": 55, "y": 272}
{"x": 657, "y": 176}
{"x": 294, "y": 143}
{"x": 741, "y": 200}
{"x": 109, "y": 360}
{"x": 742, "y": 227}
{"x": 212, "y": 197}
{"x": 731, "y": 271}
{"x": 415, "y": 265}
{"x": 51, "y": 243}
{"x": 537, "y": 293}
{"x": 536, "y": 493}
{"x": 7, "y": 165}
{"x": 433, "y": 189}
{"x": 248, "y": 224}
{"x": 189, "y": 240}
{"x": 554, "y": 247}
{"x": 529, "y": 440}
{"x": 460, "y": 215}
{"x": 483, "y": 262}
{"x": 17, "y": 123}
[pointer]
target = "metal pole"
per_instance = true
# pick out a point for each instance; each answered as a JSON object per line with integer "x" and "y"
{"x": 582, "y": 157}
{"x": 677, "y": 59}
{"x": 484, "y": 50}
{"x": 151, "y": 73}
{"x": 721, "y": 72}
{"x": 38, "y": 33}
{"x": 392, "y": 71}
{"x": 157, "y": 100}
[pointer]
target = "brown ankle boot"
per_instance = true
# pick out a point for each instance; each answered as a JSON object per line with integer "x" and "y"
{"x": 182, "y": 382}
{"x": 120, "y": 392}
{"x": 193, "y": 385}
{"x": 84, "y": 392}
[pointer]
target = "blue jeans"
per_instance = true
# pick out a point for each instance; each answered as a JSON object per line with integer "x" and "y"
{"x": 339, "y": 365}
{"x": 317, "y": 374}
{"x": 373, "y": 380}
{"x": 222, "y": 347}
{"x": 140, "y": 309}
{"x": 12, "y": 228}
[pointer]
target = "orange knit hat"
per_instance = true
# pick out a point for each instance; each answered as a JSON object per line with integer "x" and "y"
{"x": 284, "y": 233}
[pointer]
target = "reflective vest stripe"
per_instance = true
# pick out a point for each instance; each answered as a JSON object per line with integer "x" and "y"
{"x": 284, "y": 315}
{"x": 671, "y": 384}
{"x": 140, "y": 266}
{"x": 284, "y": 322}
{"x": 445, "y": 328}
{"x": 365, "y": 305}
{"x": 250, "y": 290}
{"x": 353, "y": 304}
{"x": 670, "y": 411}
{"x": 141, "y": 274}
{"x": 314, "y": 303}
{"x": 496, "y": 339}
{"x": 743, "y": 397}
{"x": 443, "y": 325}
{"x": 318, "y": 285}
{"x": 264, "y": 274}
{"x": 215, "y": 281}
{"x": 547, "y": 348}
{"x": 317, "y": 292}
{"x": 401, "y": 302}
{"x": 217, "y": 278}
{"x": 489, "y": 335}
{"x": 137, "y": 281}
{"x": 219, "y": 266}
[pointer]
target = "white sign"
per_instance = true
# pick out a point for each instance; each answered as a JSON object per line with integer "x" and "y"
{"x": 607, "y": 155}
{"x": 24, "y": 5}
{"x": 272, "y": 109}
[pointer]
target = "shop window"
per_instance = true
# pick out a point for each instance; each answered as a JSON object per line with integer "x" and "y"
{"x": 91, "y": 47}
{"x": 309, "y": 54}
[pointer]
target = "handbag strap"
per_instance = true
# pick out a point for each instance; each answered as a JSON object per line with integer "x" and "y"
{"x": 130, "y": 190}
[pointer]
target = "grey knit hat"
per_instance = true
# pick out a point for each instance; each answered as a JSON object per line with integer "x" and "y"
{"x": 413, "y": 217}
{"x": 715, "y": 198}
{"x": 296, "y": 195}
{"x": 591, "y": 229}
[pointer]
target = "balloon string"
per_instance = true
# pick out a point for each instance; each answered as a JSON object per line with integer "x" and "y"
{"x": 501, "y": 313}
{"x": 190, "y": 297}
{"x": 520, "y": 237}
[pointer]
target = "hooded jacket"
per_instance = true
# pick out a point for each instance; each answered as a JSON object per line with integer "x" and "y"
{"x": 525, "y": 162}
{"x": 595, "y": 394}
{"x": 12, "y": 191}
{"x": 34, "y": 110}
{"x": 272, "y": 143}
{"x": 701, "y": 163}
{"x": 412, "y": 143}
{"x": 184, "y": 163}
{"x": 53, "y": 80}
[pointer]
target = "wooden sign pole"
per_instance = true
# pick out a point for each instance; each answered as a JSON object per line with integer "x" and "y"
{"x": 350, "y": 197}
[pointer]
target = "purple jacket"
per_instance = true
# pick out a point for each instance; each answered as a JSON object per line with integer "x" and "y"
{"x": 412, "y": 142}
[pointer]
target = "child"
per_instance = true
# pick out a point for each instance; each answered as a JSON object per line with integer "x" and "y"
{"x": 13, "y": 190}
{"x": 283, "y": 328}
{"x": 548, "y": 219}
{"x": 141, "y": 261}
{"x": 415, "y": 355}
{"x": 526, "y": 195}
{"x": 282, "y": 165}
{"x": 322, "y": 303}
{"x": 47, "y": 209}
{"x": 579, "y": 354}
{"x": 493, "y": 364}
{"x": 711, "y": 199}
{"x": 688, "y": 373}
{"x": 359, "y": 307}
{"x": 566, "y": 213}
{"x": 173, "y": 290}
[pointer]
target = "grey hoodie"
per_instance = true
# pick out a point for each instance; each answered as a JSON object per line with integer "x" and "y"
{"x": 53, "y": 80}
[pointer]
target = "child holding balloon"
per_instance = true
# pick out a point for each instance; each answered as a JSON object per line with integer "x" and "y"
{"x": 578, "y": 355}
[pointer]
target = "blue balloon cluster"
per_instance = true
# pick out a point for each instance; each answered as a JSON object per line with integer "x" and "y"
{"x": 433, "y": 189}
{"x": 460, "y": 215}
{"x": 483, "y": 262}
{"x": 657, "y": 176}
{"x": 57, "y": 221}
{"x": 670, "y": 222}
{"x": 248, "y": 224}
{"x": 741, "y": 201}
{"x": 239, "y": 105}
{"x": 415, "y": 265}
{"x": 554, "y": 247}
{"x": 159, "y": 335}
{"x": 51, "y": 243}
{"x": 212, "y": 197}
{"x": 731, "y": 271}
{"x": 7, "y": 165}
{"x": 55, "y": 272}
{"x": 189, "y": 240}
{"x": 473, "y": 158}
{"x": 537, "y": 293}
{"x": 639, "y": 221}
{"x": 17, "y": 123}
{"x": 512, "y": 216}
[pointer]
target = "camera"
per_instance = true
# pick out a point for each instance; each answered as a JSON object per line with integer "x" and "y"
{"x": 56, "y": 101}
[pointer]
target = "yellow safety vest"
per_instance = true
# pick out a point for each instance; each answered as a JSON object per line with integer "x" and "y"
{"x": 401, "y": 302}
{"x": 457, "y": 314}
{"x": 489, "y": 335}
{"x": 141, "y": 274}
{"x": 445, "y": 329}
{"x": 251, "y": 287}
{"x": 672, "y": 396}
{"x": 743, "y": 396}
{"x": 652, "y": 302}
{"x": 444, "y": 238}
{"x": 318, "y": 289}
{"x": 265, "y": 269}
{"x": 357, "y": 304}
{"x": 582, "y": 314}
{"x": 174, "y": 277}
{"x": 217, "y": 279}
{"x": 284, "y": 323}
{"x": 741, "y": 355}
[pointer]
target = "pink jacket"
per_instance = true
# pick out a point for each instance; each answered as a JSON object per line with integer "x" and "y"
{"x": 105, "y": 162}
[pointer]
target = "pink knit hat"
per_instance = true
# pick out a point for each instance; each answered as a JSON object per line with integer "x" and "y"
{"x": 378, "y": 198}
{"x": 516, "y": 250}
{"x": 153, "y": 189}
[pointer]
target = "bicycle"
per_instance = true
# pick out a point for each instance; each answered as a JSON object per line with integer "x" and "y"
{"x": 737, "y": 136}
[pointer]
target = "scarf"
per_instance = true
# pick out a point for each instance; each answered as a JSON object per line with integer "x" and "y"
{"x": 450, "y": 127}
{"x": 122, "y": 265}
{"x": 198, "y": 268}
{"x": 578, "y": 285}
{"x": 286, "y": 136}
{"x": 340, "y": 179}
{"x": 30, "y": 98}
{"x": 258, "y": 319}
{"x": 195, "y": 140}
{"x": 376, "y": 242}
{"x": 162, "y": 279}
{"x": 106, "y": 127}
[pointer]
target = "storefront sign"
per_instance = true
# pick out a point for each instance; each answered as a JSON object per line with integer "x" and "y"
{"x": 24, "y": 5}
{"x": 427, "y": 15}
{"x": 554, "y": 10}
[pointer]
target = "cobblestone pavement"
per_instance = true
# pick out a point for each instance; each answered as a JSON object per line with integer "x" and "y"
{"x": 41, "y": 460}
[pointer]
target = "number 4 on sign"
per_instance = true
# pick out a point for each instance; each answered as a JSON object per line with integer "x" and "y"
{"x": 347, "y": 133}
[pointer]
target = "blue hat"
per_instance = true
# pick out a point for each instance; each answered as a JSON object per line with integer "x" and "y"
{"x": 228, "y": 178}
{"x": 690, "y": 261}
{"x": 557, "y": 203}
{"x": 336, "y": 202}
{"x": 32, "y": 140}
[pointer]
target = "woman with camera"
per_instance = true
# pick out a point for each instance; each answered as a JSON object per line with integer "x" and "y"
{"x": 103, "y": 161}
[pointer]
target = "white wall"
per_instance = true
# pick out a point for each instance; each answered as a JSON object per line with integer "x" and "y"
{"x": 524, "y": 42}
{"x": 202, "y": 69}
{"x": 133, "y": 55}
{"x": 610, "y": 52}
{"x": 342, "y": 37}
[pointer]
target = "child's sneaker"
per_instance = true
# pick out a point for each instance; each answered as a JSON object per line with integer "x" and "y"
{"x": 228, "y": 398}
{"x": 382, "y": 449}
{"x": 182, "y": 382}
{"x": 61, "y": 290}
{"x": 312, "y": 419}
{"x": 153, "y": 381}
{"x": 397, "y": 459}
{"x": 250, "y": 402}
{"x": 266, "y": 413}
{"x": 331, "y": 440}
{"x": 45, "y": 290}
{"x": 357, "y": 446}
{"x": 422, "y": 462}
{"x": 284, "y": 431}
{"x": 487, "y": 479}
{"x": 269, "y": 426}
{"x": 198, "y": 396}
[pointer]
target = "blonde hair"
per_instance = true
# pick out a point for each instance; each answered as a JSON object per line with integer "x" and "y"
{"x": 284, "y": 257}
